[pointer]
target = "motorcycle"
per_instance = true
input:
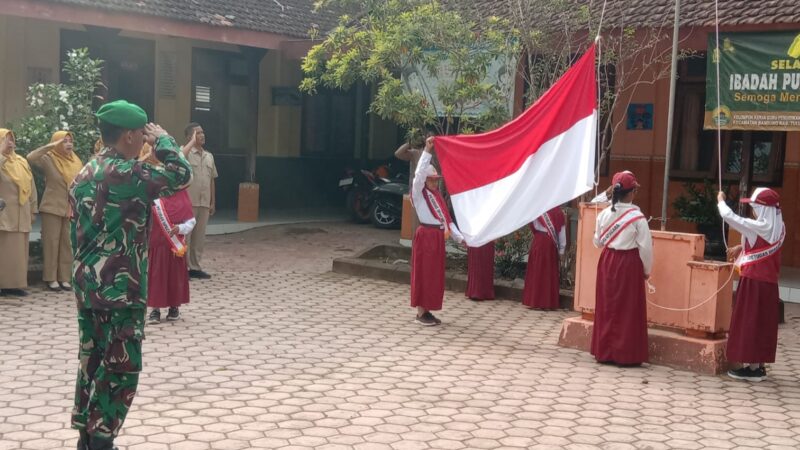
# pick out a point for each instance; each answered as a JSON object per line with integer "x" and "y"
{"x": 387, "y": 205}
{"x": 359, "y": 186}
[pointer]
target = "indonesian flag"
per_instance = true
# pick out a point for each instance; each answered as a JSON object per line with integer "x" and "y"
{"x": 504, "y": 179}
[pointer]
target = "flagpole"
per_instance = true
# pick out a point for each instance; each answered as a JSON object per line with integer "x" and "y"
{"x": 671, "y": 113}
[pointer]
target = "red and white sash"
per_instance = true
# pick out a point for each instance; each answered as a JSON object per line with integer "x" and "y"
{"x": 616, "y": 227}
{"x": 755, "y": 256}
{"x": 544, "y": 220}
{"x": 435, "y": 205}
{"x": 176, "y": 241}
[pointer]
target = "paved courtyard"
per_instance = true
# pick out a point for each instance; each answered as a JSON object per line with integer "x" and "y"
{"x": 277, "y": 352}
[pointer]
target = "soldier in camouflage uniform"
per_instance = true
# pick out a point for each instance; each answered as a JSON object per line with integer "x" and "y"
{"x": 110, "y": 202}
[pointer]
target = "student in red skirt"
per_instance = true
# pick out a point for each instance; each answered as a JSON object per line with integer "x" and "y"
{"x": 620, "y": 319}
{"x": 427, "y": 251}
{"x": 753, "y": 336}
{"x": 480, "y": 272}
{"x": 168, "y": 274}
{"x": 549, "y": 242}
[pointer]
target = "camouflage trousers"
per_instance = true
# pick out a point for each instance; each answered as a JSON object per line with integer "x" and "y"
{"x": 110, "y": 362}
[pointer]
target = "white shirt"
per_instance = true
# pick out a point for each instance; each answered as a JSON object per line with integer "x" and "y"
{"x": 424, "y": 213}
{"x": 750, "y": 229}
{"x": 186, "y": 228}
{"x": 562, "y": 235}
{"x": 636, "y": 235}
{"x": 601, "y": 198}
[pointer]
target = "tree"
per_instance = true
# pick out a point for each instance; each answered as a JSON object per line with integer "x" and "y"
{"x": 629, "y": 57}
{"x": 387, "y": 43}
{"x": 55, "y": 106}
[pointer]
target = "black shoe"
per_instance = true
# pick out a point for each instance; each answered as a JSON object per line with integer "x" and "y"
{"x": 173, "y": 314}
{"x": 435, "y": 319}
{"x": 83, "y": 440}
{"x": 155, "y": 316}
{"x": 426, "y": 319}
{"x": 14, "y": 292}
{"x": 761, "y": 372}
{"x": 102, "y": 444}
{"x": 199, "y": 274}
{"x": 748, "y": 374}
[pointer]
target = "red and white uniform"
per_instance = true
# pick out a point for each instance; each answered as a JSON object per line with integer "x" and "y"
{"x": 620, "y": 322}
{"x": 753, "y": 335}
{"x": 480, "y": 272}
{"x": 542, "y": 275}
{"x": 168, "y": 273}
{"x": 428, "y": 252}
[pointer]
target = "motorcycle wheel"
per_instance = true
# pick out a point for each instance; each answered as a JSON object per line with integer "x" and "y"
{"x": 357, "y": 206}
{"x": 383, "y": 218}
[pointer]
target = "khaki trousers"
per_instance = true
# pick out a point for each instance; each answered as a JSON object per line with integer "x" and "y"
{"x": 56, "y": 249}
{"x": 14, "y": 260}
{"x": 197, "y": 239}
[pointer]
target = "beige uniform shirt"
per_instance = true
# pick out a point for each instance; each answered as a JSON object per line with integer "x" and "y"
{"x": 15, "y": 217}
{"x": 55, "y": 199}
{"x": 204, "y": 171}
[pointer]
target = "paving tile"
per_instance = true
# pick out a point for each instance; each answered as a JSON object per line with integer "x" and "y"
{"x": 289, "y": 368}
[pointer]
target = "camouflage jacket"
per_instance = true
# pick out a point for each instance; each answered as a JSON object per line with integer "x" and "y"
{"x": 110, "y": 200}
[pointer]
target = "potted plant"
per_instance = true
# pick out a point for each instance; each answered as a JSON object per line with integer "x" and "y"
{"x": 698, "y": 205}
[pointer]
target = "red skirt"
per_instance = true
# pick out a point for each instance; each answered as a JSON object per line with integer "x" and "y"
{"x": 541, "y": 276}
{"x": 480, "y": 272}
{"x": 167, "y": 278}
{"x": 427, "y": 268}
{"x": 619, "y": 334}
{"x": 753, "y": 337}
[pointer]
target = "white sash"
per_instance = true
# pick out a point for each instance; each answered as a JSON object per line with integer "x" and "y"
{"x": 612, "y": 231}
{"x": 176, "y": 241}
{"x": 551, "y": 229}
{"x": 747, "y": 259}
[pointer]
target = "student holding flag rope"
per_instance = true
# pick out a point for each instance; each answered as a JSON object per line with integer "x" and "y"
{"x": 428, "y": 252}
{"x": 619, "y": 335}
{"x": 753, "y": 335}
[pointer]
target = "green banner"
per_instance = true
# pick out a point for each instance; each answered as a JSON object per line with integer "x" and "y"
{"x": 759, "y": 81}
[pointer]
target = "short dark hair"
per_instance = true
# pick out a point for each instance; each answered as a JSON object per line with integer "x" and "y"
{"x": 110, "y": 133}
{"x": 189, "y": 128}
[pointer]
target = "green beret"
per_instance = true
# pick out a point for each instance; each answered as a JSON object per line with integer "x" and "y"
{"x": 122, "y": 114}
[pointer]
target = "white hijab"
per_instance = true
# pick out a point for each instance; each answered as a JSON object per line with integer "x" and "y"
{"x": 769, "y": 221}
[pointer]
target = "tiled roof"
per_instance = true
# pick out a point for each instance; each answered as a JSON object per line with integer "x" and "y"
{"x": 296, "y": 17}
{"x": 660, "y": 12}
{"x": 701, "y": 12}
{"x": 292, "y": 18}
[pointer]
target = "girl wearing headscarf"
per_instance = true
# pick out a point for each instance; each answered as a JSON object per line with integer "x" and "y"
{"x": 427, "y": 251}
{"x": 60, "y": 165}
{"x": 619, "y": 335}
{"x": 167, "y": 270}
{"x": 19, "y": 192}
{"x": 542, "y": 284}
{"x": 753, "y": 335}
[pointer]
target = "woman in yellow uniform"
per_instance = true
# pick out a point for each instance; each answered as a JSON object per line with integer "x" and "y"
{"x": 60, "y": 164}
{"x": 19, "y": 193}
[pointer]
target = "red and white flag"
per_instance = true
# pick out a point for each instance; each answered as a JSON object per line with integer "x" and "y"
{"x": 504, "y": 179}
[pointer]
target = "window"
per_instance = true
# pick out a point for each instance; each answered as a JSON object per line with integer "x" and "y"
{"x": 756, "y": 155}
{"x": 202, "y": 98}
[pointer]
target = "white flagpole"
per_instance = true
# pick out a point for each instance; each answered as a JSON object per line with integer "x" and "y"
{"x": 671, "y": 113}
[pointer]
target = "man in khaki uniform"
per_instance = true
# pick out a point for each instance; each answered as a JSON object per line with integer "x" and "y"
{"x": 202, "y": 193}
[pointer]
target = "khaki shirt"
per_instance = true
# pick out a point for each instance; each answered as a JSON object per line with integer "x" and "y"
{"x": 204, "y": 171}
{"x": 55, "y": 199}
{"x": 15, "y": 217}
